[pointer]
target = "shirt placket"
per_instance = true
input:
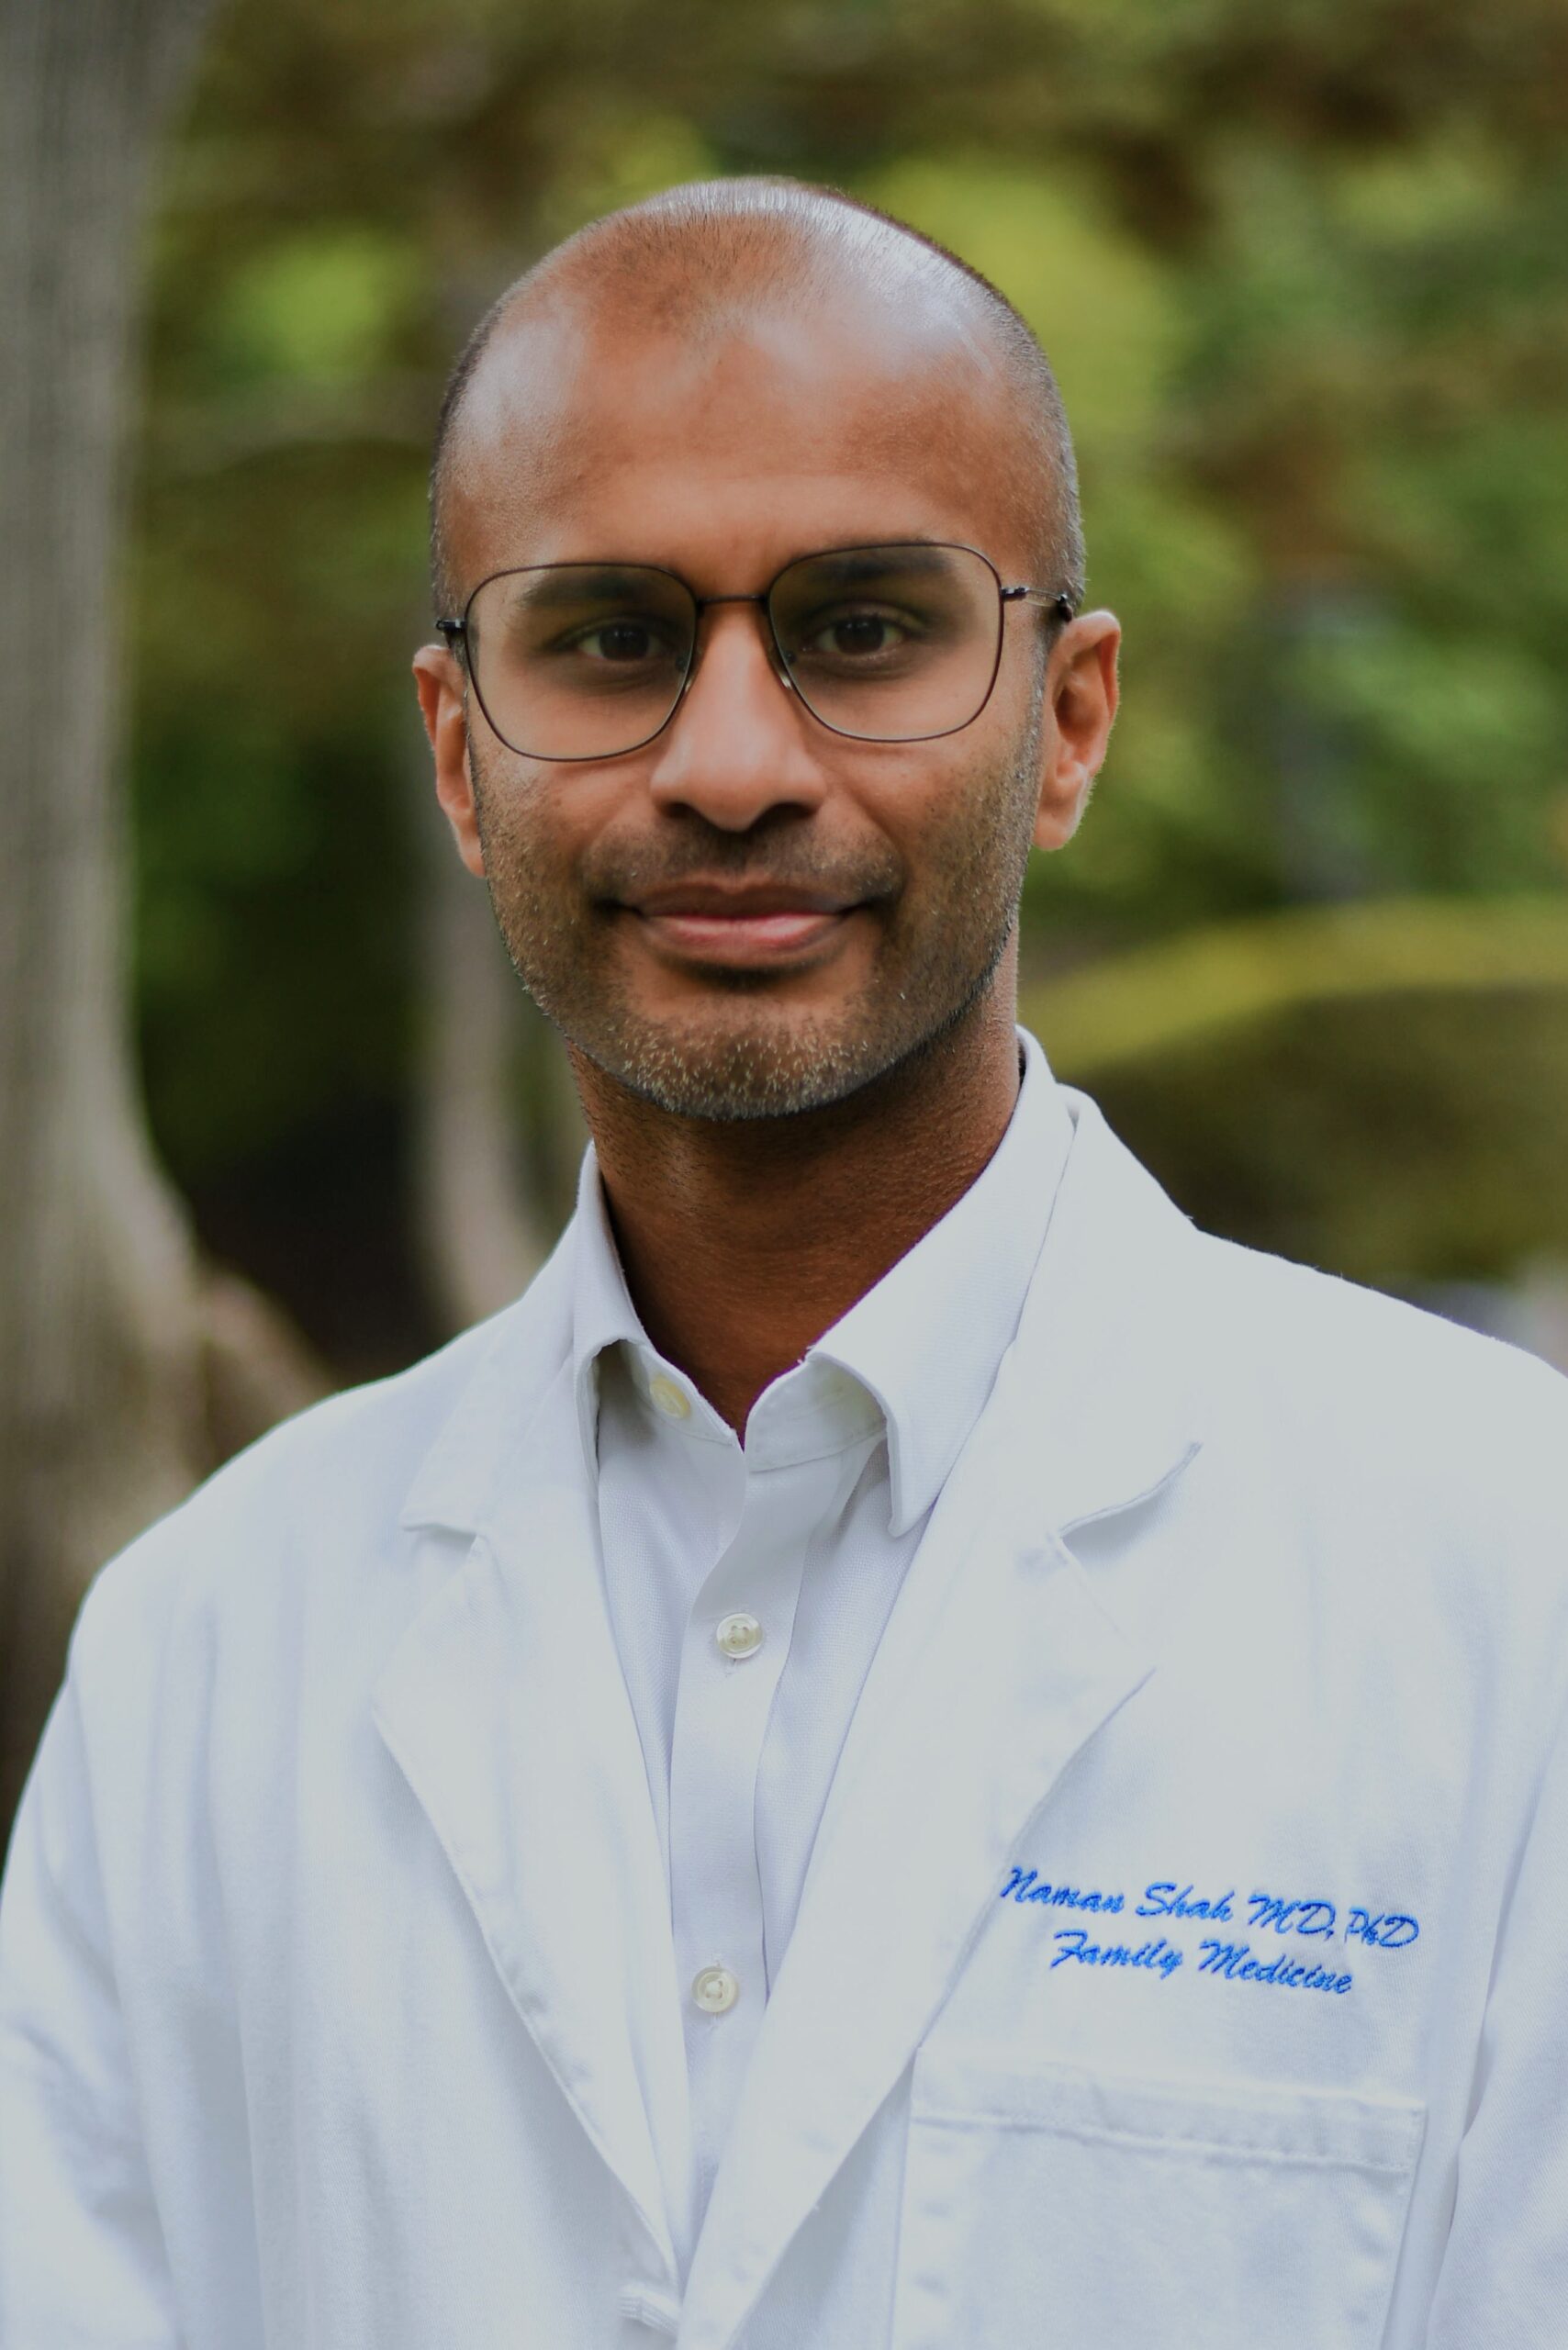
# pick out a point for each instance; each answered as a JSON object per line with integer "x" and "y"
{"x": 736, "y": 1641}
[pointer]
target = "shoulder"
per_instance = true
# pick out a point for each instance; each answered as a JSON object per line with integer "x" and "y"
{"x": 1385, "y": 1392}
{"x": 1327, "y": 1330}
{"x": 1297, "y": 1373}
{"x": 312, "y": 1514}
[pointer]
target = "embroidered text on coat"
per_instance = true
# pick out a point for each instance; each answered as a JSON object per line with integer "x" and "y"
{"x": 1024, "y": 1885}
{"x": 1160, "y": 1956}
{"x": 1311, "y": 1918}
{"x": 1235, "y": 1963}
{"x": 1166, "y": 1901}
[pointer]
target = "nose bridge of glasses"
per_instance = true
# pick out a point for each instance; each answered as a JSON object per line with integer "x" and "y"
{"x": 766, "y": 633}
{"x": 709, "y": 634}
{"x": 739, "y": 739}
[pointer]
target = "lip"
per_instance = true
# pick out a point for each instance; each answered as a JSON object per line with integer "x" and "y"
{"x": 740, "y": 925}
{"x": 736, "y": 901}
{"x": 745, "y": 936}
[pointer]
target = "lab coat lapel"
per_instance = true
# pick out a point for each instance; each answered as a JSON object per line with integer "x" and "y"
{"x": 505, "y": 1708}
{"x": 1000, "y": 1664}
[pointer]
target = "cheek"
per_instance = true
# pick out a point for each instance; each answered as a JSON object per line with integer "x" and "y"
{"x": 967, "y": 825}
{"x": 528, "y": 826}
{"x": 1016, "y": 709}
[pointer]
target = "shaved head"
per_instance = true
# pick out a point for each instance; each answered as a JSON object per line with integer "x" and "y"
{"x": 700, "y": 264}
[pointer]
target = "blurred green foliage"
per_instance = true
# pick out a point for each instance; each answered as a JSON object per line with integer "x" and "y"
{"x": 1381, "y": 1089}
{"x": 1301, "y": 272}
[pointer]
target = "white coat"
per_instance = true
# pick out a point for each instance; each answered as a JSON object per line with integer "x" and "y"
{"x": 1184, "y": 1959}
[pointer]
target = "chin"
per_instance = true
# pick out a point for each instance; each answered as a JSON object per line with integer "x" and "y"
{"x": 751, "y": 1069}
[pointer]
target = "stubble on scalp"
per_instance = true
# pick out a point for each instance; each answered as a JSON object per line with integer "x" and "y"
{"x": 693, "y": 262}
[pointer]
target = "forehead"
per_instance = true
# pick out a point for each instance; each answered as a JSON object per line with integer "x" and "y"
{"x": 723, "y": 448}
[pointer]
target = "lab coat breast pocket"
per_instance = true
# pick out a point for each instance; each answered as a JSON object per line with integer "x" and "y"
{"x": 1045, "y": 2205}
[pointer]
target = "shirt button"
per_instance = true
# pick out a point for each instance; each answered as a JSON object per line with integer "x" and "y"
{"x": 739, "y": 1636}
{"x": 715, "y": 1990}
{"x": 667, "y": 1398}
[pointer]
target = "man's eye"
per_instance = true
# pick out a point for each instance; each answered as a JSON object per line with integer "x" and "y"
{"x": 618, "y": 640}
{"x": 856, "y": 635}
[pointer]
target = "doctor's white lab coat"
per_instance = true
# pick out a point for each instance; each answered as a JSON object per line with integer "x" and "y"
{"x": 1184, "y": 1959}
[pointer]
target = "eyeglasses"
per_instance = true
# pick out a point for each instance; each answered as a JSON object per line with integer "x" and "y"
{"x": 896, "y": 643}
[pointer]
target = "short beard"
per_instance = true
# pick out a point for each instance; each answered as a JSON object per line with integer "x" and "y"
{"x": 765, "y": 1069}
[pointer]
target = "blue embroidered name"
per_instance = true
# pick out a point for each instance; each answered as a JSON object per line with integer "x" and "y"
{"x": 1235, "y": 1963}
{"x": 1165, "y": 1901}
{"x": 1024, "y": 1885}
{"x": 1310, "y": 1918}
{"x": 1160, "y": 1956}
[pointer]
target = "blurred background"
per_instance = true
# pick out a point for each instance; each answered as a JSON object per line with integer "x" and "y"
{"x": 276, "y": 1115}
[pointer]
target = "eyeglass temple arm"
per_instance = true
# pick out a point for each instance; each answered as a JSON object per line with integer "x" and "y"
{"x": 1052, "y": 599}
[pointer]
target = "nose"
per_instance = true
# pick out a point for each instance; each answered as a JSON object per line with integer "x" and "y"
{"x": 739, "y": 744}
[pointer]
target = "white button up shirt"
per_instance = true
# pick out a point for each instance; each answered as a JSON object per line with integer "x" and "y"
{"x": 748, "y": 1585}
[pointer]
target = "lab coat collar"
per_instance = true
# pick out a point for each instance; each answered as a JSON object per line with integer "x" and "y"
{"x": 1112, "y": 1359}
{"x": 504, "y": 1706}
{"x": 968, "y": 1277}
{"x": 514, "y": 1356}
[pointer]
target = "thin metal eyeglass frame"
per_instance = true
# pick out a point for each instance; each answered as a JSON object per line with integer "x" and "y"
{"x": 454, "y": 635}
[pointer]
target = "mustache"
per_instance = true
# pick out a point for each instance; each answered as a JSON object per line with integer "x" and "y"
{"x": 614, "y": 874}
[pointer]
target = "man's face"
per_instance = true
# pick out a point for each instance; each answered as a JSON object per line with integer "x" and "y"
{"x": 751, "y": 915}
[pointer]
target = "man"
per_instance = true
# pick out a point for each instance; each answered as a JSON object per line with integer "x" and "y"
{"x": 906, "y": 1751}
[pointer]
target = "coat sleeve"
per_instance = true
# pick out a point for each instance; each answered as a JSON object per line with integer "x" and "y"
{"x": 1504, "y": 2272}
{"x": 83, "y": 2265}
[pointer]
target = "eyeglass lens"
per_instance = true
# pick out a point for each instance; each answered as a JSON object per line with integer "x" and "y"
{"x": 888, "y": 644}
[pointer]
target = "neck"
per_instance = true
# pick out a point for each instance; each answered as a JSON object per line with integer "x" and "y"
{"x": 742, "y": 1242}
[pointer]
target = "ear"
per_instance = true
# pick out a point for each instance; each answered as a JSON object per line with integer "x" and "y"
{"x": 1081, "y": 697}
{"x": 438, "y": 680}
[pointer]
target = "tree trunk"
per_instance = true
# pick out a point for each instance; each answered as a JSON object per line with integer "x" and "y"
{"x": 101, "y": 1408}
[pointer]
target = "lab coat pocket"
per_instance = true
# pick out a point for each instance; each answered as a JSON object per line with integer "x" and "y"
{"x": 1045, "y": 2205}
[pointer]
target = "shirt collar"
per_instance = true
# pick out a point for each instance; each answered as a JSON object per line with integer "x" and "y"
{"x": 602, "y": 1313}
{"x": 929, "y": 1339}
{"x": 965, "y": 1278}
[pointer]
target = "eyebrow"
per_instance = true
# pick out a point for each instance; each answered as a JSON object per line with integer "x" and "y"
{"x": 851, "y": 564}
{"x": 563, "y": 587}
{"x": 559, "y": 587}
